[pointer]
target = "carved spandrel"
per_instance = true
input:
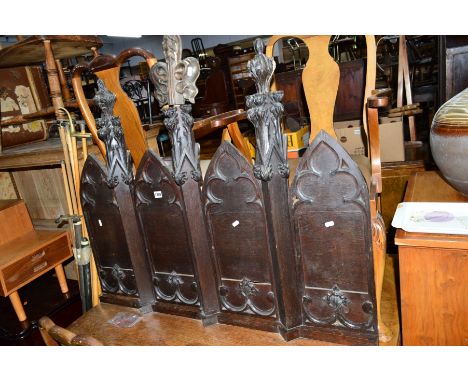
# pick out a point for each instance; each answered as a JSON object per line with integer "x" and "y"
{"x": 264, "y": 111}
{"x": 175, "y": 79}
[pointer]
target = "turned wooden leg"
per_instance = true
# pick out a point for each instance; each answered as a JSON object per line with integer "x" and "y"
{"x": 61, "y": 278}
{"x": 18, "y": 306}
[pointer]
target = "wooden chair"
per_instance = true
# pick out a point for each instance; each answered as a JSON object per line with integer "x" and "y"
{"x": 107, "y": 68}
{"x": 54, "y": 335}
{"x": 320, "y": 80}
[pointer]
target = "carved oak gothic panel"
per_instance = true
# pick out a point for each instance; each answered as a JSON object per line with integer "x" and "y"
{"x": 105, "y": 226}
{"x": 330, "y": 210}
{"x": 160, "y": 208}
{"x": 107, "y": 195}
{"x": 236, "y": 221}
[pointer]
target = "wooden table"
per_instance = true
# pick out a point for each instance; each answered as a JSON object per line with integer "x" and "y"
{"x": 26, "y": 253}
{"x": 433, "y": 273}
{"x": 164, "y": 329}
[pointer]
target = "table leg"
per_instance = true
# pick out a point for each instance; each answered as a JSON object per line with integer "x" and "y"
{"x": 61, "y": 278}
{"x": 17, "y": 306}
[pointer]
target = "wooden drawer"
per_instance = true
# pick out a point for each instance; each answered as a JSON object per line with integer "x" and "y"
{"x": 36, "y": 263}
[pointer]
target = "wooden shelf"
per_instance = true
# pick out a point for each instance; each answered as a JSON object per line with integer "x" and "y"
{"x": 38, "y": 154}
{"x": 31, "y": 50}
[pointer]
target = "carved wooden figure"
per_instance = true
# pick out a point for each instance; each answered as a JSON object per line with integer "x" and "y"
{"x": 183, "y": 271}
{"x": 108, "y": 206}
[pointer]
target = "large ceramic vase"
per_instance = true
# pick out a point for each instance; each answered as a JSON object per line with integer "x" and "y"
{"x": 449, "y": 141}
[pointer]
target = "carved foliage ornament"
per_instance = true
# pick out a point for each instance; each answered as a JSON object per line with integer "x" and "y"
{"x": 174, "y": 80}
{"x": 110, "y": 132}
{"x": 264, "y": 111}
{"x": 175, "y": 282}
{"x": 339, "y": 303}
{"x": 248, "y": 290}
{"x": 185, "y": 152}
{"x": 116, "y": 279}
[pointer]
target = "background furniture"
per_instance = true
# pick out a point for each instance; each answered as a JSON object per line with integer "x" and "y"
{"x": 241, "y": 81}
{"x": 395, "y": 176}
{"x": 23, "y": 91}
{"x": 453, "y": 63}
{"x": 295, "y": 105}
{"x": 26, "y": 253}
{"x": 54, "y": 335}
{"x": 433, "y": 273}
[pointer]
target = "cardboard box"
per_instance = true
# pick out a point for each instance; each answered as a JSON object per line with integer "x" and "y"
{"x": 392, "y": 147}
{"x": 296, "y": 138}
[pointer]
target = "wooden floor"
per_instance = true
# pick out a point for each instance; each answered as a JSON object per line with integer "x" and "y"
{"x": 163, "y": 329}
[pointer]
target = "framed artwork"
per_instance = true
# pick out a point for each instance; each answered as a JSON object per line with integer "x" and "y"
{"x": 22, "y": 91}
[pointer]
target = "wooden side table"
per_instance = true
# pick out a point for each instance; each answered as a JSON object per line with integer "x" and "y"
{"x": 26, "y": 254}
{"x": 433, "y": 273}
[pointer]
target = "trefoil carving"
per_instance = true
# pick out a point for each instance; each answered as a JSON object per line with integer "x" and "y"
{"x": 248, "y": 290}
{"x": 115, "y": 279}
{"x": 340, "y": 304}
{"x": 175, "y": 281}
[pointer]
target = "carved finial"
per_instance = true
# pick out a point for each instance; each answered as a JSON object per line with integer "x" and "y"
{"x": 110, "y": 132}
{"x": 265, "y": 111}
{"x": 185, "y": 152}
{"x": 261, "y": 67}
{"x": 175, "y": 79}
{"x": 105, "y": 100}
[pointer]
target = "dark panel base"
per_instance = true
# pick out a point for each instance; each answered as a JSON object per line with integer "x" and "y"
{"x": 189, "y": 311}
{"x": 210, "y": 319}
{"x": 268, "y": 324}
{"x": 132, "y": 302}
{"x": 341, "y": 335}
{"x": 289, "y": 334}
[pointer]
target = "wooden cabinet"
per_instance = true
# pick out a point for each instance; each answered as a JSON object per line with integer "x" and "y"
{"x": 453, "y": 63}
{"x": 26, "y": 254}
{"x": 295, "y": 105}
{"x": 350, "y": 95}
{"x": 433, "y": 273}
